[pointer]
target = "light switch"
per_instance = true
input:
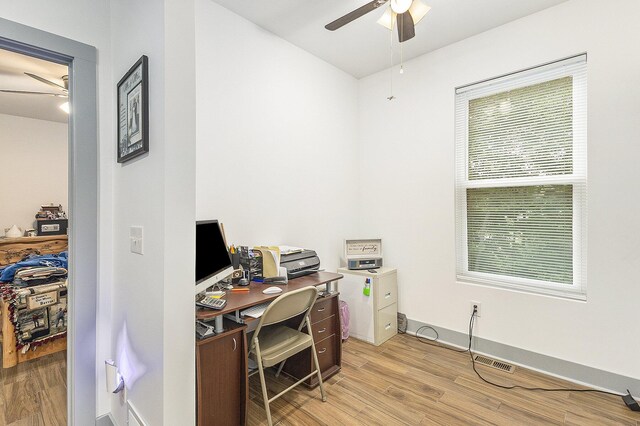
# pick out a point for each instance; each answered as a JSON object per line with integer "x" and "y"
{"x": 135, "y": 239}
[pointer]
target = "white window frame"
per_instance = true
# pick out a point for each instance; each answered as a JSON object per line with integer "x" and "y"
{"x": 576, "y": 68}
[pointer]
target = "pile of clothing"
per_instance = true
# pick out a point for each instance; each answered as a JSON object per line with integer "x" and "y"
{"x": 36, "y": 270}
{"x": 35, "y": 292}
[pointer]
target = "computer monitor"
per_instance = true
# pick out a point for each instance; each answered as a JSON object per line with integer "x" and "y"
{"x": 213, "y": 262}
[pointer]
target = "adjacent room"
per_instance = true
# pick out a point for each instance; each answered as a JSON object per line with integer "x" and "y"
{"x": 33, "y": 248}
{"x": 387, "y": 212}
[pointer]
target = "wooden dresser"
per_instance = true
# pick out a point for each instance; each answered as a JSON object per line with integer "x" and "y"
{"x": 13, "y": 250}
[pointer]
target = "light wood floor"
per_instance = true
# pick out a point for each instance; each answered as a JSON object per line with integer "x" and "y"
{"x": 34, "y": 393}
{"x": 405, "y": 382}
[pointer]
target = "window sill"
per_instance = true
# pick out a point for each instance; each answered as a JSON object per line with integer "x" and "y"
{"x": 536, "y": 291}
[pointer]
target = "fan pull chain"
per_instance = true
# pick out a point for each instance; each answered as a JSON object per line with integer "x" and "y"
{"x": 399, "y": 42}
{"x": 391, "y": 97}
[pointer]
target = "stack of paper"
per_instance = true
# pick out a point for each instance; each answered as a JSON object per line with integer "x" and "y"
{"x": 270, "y": 260}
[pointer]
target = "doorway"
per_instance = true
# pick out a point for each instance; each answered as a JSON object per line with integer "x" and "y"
{"x": 34, "y": 111}
{"x": 82, "y": 211}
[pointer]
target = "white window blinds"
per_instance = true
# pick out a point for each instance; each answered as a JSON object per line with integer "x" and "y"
{"x": 521, "y": 180}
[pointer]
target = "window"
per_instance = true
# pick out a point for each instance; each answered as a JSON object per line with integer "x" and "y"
{"x": 521, "y": 180}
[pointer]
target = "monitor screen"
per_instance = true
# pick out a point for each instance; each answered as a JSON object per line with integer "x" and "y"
{"x": 212, "y": 256}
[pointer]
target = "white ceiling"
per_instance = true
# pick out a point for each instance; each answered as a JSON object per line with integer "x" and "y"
{"x": 12, "y": 77}
{"x": 361, "y": 47}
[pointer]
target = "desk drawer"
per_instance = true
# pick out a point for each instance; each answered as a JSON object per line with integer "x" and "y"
{"x": 324, "y": 308}
{"x": 327, "y": 351}
{"x": 323, "y": 329}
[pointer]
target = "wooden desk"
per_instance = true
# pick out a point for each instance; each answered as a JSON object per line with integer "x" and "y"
{"x": 255, "y": 296}
{"x": 221, "y": 360}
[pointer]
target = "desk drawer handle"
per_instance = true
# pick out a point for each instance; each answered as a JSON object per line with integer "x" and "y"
{"x": 322, "y": 309}
{"x": 321, "y": 351}
{"x": 322, "y": 331}
{"x": 235, "y": 344}
{"x": 388, "y": 295}
{"x": 388, "y": 326}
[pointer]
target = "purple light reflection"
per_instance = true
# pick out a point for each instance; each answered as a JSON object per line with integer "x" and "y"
{"x": 128, "y": 363}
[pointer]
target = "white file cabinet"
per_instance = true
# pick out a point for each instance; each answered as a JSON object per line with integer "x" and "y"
{"x": 374, "y": 317}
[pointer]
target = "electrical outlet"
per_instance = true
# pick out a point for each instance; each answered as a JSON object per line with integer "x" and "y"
{"x": 479, "y": 308}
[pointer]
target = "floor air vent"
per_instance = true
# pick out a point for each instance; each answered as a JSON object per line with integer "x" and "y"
{"x": 499, "y": 365}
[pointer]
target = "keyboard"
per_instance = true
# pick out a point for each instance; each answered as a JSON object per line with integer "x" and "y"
{"x": 255, "y": 311}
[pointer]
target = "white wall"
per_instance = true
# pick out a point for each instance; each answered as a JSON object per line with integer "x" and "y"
{"x": 87, "y": 21}
{"x": 35, "y": 168}
{"x": 153, "y": 300}
{"x": 179, "y": 213}
{"x": 138, "y": 286}
{"x": 411, "y": 140}
{"x": 275, "y": 138}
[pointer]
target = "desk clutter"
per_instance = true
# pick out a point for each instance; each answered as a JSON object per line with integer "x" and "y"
{"x": 264, "y": 262}
{"x": 51, "y": 220}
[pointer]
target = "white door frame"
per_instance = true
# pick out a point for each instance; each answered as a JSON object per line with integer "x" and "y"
{"x": 83, "y": 205}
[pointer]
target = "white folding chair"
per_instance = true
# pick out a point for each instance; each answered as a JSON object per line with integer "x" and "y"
{"x": 273, "y": 343}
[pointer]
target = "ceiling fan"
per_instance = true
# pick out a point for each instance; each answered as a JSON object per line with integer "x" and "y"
{"x": 64, "y": 90}
{"x": 404, "y": 14}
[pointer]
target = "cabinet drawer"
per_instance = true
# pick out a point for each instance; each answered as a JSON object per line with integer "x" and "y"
{"x": 387, "y": 291}
{"x": 325, "y": 328}
{"x": 387, "y": 324}
{"x": 323, "y": 308}
{"x": 327, "y": 351}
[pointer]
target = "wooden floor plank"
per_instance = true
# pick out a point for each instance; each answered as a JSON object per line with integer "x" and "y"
{"x": 366, "y": 395}
{"x": 21, "y": 399}
{"x": 34, "y": 419}
{"x": 606, "y": 403}
{"x": 332, "y": 412}
{"x": 545, "y": 404}
{"x": 51, "y": 400}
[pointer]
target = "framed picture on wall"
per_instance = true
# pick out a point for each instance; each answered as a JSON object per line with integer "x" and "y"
{"x": 133, "y": 112}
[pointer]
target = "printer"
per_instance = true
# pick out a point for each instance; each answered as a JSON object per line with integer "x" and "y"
{"x": 300, "y": 263}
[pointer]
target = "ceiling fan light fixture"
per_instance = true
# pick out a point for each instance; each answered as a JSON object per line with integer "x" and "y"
{"x": 400, "y": 6}
{"x": 388, "y": 19}
{"x": 418, "y": 10}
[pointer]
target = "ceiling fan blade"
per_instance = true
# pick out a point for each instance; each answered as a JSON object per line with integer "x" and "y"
{"x": 27, "y": 92}
{"x": 352, "y": 16}
{"x": 406, "y": 28}
{"x": 45, "y": 81}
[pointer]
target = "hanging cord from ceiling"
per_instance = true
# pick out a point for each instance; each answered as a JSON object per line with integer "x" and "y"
{"x": 401, "y": 58}
{"x": 391, "y": 97}
{"x": 400, "y": 23}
